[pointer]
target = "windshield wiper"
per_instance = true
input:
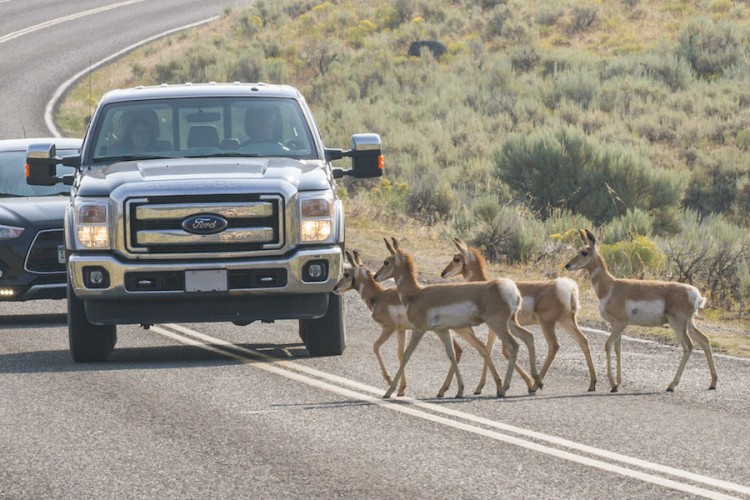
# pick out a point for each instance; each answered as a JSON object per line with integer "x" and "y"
{"x": 132, "y": 157}
{"x": 226, "y": 155}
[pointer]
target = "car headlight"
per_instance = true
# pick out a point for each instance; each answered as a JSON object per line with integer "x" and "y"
{"x": 316, "y": 218}
{"x": 92, "y": 225}
{"x": 10, "y": 232}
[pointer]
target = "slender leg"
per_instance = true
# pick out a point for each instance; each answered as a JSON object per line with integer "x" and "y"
{"x": 614, "y": 338}
{"x": 416, "y": 336}
{"x": 530, "y": 384}
{"x": 449, "y": 377}
{"x": 553, "y": 345}
{"x": 385, "y": 334}
{"x": 468, "y": 335}
{"x": 401, "y": 347}
{"x": 679, "y": 326}
{"x": 528, "y": 338}
{"x": 491, "y": 337}
{"x": 700, "y": 338}
{"x": 447, "y": 339}
{"x": 570, "y": 325}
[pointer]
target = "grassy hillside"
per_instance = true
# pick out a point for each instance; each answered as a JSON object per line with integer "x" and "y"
{"x": 630, "y": 117}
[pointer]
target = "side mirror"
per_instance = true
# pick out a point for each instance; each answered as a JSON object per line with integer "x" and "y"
{"x": 41, "y": 165}
{"x": 366, "y": 154}
{"x": 367, "y": 157}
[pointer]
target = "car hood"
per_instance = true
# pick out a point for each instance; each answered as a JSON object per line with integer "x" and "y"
{"x": 38, "y": 211}
{"x": 101, "y": 181}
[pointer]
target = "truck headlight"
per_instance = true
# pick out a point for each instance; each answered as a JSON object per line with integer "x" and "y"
{"x": 10, "y": 232}
{"x": 92, "y": 225}
{"x": 316, "y": 218}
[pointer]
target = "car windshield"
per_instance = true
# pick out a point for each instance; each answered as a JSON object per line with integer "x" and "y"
{"x": 13, "y": 176}
{"x": 202, "y": 127}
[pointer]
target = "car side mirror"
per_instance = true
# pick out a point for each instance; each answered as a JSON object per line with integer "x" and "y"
{"x": 41, "y": 165}
{"x": 367, "y": 157}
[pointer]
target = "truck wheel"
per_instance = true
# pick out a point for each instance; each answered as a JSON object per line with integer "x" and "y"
{"x": 325, "y": 336}
{"x": 89, "y": 343}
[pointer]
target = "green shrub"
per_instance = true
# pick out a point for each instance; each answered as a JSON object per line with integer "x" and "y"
{"x": 711, "y": 48}
{"x": 629, "y": 226}
{"x": 637, "y": 258}
{"x": 563, "y": 167}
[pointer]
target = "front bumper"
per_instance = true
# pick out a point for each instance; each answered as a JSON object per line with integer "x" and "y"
{"x": 157, "y": 292}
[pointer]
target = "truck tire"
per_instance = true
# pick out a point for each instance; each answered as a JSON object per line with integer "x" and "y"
{"x": 89, "y": 343}
{"x": 325, "y": 336}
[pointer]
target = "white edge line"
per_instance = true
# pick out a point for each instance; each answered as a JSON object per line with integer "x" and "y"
{"x": 62, "y": 89}
{"x": 649, "y": 341}
{"x": 454, "y": 413}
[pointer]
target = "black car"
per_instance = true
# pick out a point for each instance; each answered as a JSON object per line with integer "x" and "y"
{"x": 32, "y": 263}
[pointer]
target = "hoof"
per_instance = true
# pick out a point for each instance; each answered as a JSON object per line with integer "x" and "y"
{"x": 439, "y": 396}
{"x": 477, "y": 393}
{"x": 592, "y": 389}
{"x": 670, "y": 389}
{"x": 615, "y": 389}
{"x": 459, "y": 395}
{"x": 712, "y": 388}
{"x": 532, "y": 392}
{"x": 500, "y": 395}
{"x": 386, "y": 396}
{"x": 400, "y": 393}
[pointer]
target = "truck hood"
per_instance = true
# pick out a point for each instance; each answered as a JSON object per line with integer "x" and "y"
{"x": 101, "y": 181}
{"x": 34, "y": 211}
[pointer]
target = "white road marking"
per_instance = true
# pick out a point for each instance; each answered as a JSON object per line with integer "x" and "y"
{"x": 62, "y": 89}
{"x": 71, "y": 17}
{"x": 316, "y": 378}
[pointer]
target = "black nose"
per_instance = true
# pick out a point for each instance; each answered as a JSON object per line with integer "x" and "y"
{"x": 567, "y": 266}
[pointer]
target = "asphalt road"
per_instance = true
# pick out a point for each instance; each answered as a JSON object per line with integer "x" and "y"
{"x": 221, "y": 411}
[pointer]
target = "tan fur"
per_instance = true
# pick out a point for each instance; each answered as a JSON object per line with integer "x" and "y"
{"x": 642, "y": 302}
{"x": 454, "y": 306}
{"x": 545, "y": 303}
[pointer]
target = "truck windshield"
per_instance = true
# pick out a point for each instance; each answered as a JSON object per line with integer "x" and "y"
{"x": 202, "y": 127}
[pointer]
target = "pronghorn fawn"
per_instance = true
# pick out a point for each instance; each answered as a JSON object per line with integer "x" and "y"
{"x": 545, "y": 303}
{"x": 387, "y": 311}
{"x": 645, "y": 303}
{"x": 457, "y": 306}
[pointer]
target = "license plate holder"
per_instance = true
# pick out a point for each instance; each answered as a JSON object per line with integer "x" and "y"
{"x": 206, "y": 280}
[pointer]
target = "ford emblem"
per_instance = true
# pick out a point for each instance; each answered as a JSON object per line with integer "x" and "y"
{"x": 204, "y": 224}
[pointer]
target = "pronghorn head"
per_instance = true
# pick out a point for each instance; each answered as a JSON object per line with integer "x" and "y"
{"x": 354, "y": 272}
{"x": 346, "y": 282}
{"x": 586, "y": 254}
{"x": 393, "y": 264}
{"x": 457, "y": 265}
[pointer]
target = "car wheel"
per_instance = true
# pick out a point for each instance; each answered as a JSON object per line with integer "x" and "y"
{"x": 89, "y": 343}
{"x": 326, "y": 336}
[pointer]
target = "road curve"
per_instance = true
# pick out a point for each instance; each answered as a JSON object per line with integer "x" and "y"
{"x": 221, "y": 411}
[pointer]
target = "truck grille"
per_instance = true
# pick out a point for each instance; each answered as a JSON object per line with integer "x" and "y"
{"x": 42, "y": 255}
{"x": 156, "y": 224}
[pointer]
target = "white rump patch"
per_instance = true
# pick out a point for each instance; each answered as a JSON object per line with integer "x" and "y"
{"x": 458, "y": 315}
{"x": 646, "y": 312}
{"x": 509, "y": 293}
{"x": 567, "y": 293}
{"x": 527, "y": 304}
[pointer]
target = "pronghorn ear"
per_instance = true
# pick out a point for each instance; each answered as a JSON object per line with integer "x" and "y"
{"x": 590, "y": 237}
{"x": 358, "y": 259}
{"x": 350, "y": 258}
{"x": 460, "y": 245}
{"x": 395, "y": 243}
{"x": 582, "y": 234}
{"x": 389, "y": 247}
